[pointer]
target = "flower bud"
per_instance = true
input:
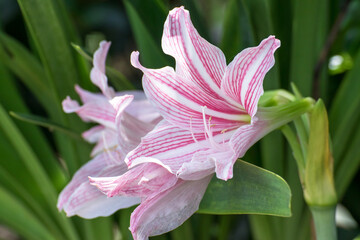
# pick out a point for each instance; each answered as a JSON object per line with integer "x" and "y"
{"x": 319, "y": 188}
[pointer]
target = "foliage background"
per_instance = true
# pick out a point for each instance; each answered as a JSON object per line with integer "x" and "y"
{"x": 39, "y": 67}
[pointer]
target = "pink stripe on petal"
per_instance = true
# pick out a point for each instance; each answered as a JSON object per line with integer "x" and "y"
{"x": 181, "y": 102}
{"x": 169, "y": 144}
{"x": 94, "y": 168}
{"x": 197, "y": 59}
{"x": 243, "y": 79}
{"x": 88, "y": 202}
{"x": 140, "y": 181}
{"x": 108, "y": 141}
{"x": 167, "y": 210}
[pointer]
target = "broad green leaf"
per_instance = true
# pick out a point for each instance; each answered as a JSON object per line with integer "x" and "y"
{"x": 14, "y": 214}
{"x": 150, "y": 51}
{"x": 252, "y": 190}
{"x": 43, "y": 122}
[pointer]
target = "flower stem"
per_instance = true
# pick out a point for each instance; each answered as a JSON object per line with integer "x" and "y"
{"x": 324, "y": 221}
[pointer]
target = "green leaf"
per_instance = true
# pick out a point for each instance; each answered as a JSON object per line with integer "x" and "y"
{"x": 349, "y": 165}
{"x": 21, "y": 194}
{"x": 344, "y": 113}
{"x": 53, "y": 45}
{"x": 28, "y": 68}
{"x": 13, "y": 100}
{"x": 43, "y": 122}
{"x": 37, "y": 171}
{"x": 308, "y": 37}
{"x": 236, "y": 30}
{"x": 14, "y": 214}
{"x": 150, "y": 51}
{"x": 252, "y": 190}
{"x": 261, "y": 21}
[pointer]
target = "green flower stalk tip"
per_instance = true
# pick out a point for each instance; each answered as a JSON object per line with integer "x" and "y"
{"x": 319, "y": 188}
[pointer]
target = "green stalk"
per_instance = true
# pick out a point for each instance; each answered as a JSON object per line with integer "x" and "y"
{"x": 324, "y": 221}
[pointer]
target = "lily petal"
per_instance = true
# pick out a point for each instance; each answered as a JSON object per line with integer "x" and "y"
{"x": 87, "y": 96}
{"x": 97, "y": 74}
{"x": 171, "y": 145}
{"x": 196, "y": 59}
{"x": 181, "y": 102}
{"x": 167, "y": 210}
{"x": 88, "y": 202}
{"x": 99, "y": 111}
{"x": 93, "y": 134}
{"x": 243, "y": 79}
{"x": 189, "y": 156}
{"x": 140, "y": 181}
{"x": 80, "y": 198}
{"x": 108, "y": 141}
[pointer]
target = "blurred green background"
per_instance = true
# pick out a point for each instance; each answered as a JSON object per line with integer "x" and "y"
{"x": 320, "y": 53}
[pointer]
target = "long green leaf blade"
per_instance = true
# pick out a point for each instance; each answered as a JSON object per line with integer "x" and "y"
{"x": 13, "y": 213}
{"x": 35, "y": 168}
{"x": 151, "y": 53}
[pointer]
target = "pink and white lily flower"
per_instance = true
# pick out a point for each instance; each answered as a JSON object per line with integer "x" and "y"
{"x": 211, "y": 118}
{"x": 123, "y": 118}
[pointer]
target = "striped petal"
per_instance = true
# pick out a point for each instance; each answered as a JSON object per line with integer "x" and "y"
{"x": 197, "y": 60}
{"x": 80, "y": 198}
{"x": 167, "y": 210}
{"x": 97, "y": 74}
{"x": 189, "y": 156}
{"x": 108, "y": 141}
{"x": 167, "y": 144}
{"x": 181, "y": 102}
{"x": 140, "y": 181}
{"x": 99, "y": 111}
{"x": 243, "y": 79}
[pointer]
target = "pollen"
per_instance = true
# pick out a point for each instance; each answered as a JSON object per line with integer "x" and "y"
{"x": 224, "y": 130}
